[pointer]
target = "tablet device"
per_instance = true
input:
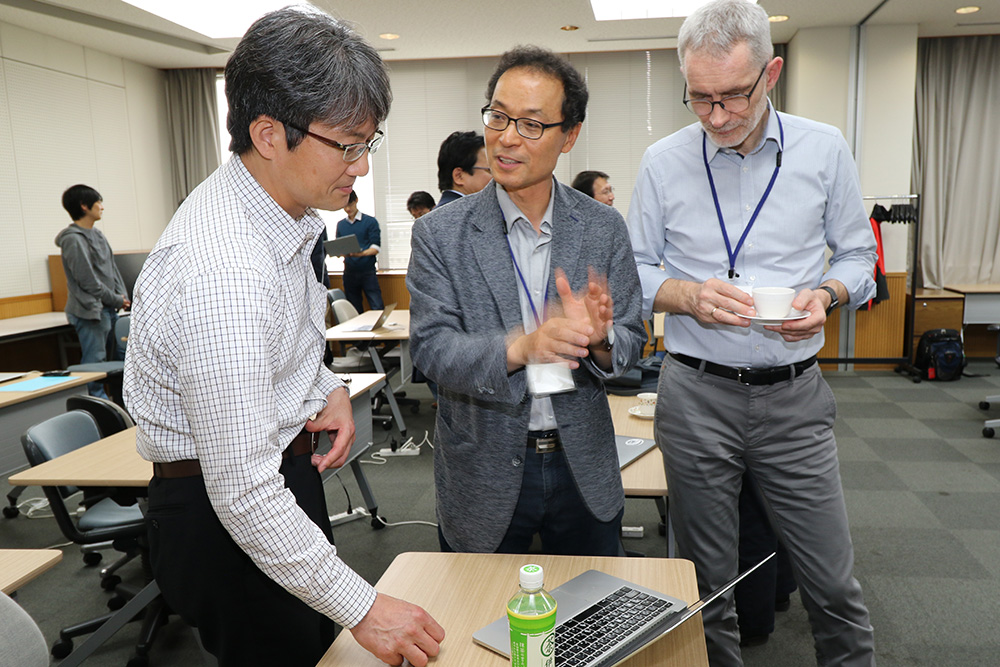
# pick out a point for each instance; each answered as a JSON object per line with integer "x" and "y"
{"x": 342, "y": 245}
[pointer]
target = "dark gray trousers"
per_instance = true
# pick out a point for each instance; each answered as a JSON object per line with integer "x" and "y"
{"x": 710, "y": 429}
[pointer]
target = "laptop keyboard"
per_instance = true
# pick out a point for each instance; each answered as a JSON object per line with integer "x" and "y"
{"x": 607, "y": 625}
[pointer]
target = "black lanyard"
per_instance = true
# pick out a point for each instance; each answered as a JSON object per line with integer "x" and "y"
{"x": 718, "y": 209}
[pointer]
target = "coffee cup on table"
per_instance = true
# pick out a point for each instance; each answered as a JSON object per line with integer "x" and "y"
{"x": 773, "y": 303}
{"x": 647, "y": 403}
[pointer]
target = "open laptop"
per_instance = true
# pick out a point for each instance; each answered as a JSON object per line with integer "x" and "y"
{"x": 379, "y": 323}
{"x": 595, "y": 607}
{"x": 342, "y": 245}
{"x": 629, "y": 448}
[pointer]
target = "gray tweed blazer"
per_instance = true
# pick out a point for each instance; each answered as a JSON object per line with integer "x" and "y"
{"x": 464, "y": 302}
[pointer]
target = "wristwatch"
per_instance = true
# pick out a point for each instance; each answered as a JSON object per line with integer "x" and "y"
{"x": 834, "y": 301}
{"x": 609, "y": 341}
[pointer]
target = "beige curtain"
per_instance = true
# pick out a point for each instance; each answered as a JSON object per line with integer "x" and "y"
{"x": 956, "y": 165}
{"x": 194, "y": 127}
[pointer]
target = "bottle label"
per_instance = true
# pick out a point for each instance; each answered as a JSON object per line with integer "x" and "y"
{"x": 532, "y": 640}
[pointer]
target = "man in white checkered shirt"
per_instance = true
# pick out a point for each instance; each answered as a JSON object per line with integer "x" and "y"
{"x": 224, "y": 366}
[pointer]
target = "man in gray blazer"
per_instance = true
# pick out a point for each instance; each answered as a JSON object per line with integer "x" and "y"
{"x": 523, "y": 299}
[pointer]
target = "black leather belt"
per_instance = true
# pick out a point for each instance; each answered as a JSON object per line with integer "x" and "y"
{"x": 748, "y": 376}
{"x": 544, "y": 442}
{"x": 303, "y": 443}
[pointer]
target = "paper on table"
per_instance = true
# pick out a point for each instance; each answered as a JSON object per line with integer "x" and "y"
{"x": 35, "y": 384}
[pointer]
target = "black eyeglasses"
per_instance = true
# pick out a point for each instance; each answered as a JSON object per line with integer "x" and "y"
{"x": 732, "y": 104}
{"x": 352, "y": 152}
{"x": 529, "y": 128}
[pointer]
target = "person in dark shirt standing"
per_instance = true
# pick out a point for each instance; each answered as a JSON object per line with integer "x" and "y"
{"x": 95, "y": 287}
{"x": 359, "y": 267}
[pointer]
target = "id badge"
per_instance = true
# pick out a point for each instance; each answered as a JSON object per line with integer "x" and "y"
{"x": 546, "y": 379}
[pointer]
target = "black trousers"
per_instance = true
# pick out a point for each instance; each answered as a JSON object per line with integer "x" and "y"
{"x": 244, "y": 618}
{"x": 756, "y": 595}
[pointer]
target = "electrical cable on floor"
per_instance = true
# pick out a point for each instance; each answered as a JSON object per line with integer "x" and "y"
{"x": 378, "y": 459}
{"x": 393, "y": 524}
{"x": 33, "y": 508}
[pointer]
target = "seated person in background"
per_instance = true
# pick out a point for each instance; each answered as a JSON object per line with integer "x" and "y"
{"x": 419, "y": 203}
{"x": 462, "y": 166}
{"x": 95, "y": 287}
{"x": 595, "y": 184}
{"x": 359, "y": 267}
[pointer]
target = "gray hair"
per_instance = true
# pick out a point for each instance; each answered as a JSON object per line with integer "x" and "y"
{"x": 298, "y": 65}
{"x": 719, "y": 26}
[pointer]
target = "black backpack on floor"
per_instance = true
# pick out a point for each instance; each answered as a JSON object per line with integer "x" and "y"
{"x": 940, "y": 355}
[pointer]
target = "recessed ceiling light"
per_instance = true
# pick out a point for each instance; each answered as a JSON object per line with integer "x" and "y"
{"x": 617, "y": 10}
{"x": 570, "y": 28}
{"x": 972, "y": 9}
{"x": 777, "y": 18}
{"x": 389, "y": 35}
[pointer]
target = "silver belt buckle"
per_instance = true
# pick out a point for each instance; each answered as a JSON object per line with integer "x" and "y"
{"x": 546, "y": 445}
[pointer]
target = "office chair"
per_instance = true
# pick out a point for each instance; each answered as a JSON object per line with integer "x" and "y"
{"x": 355, "y": 359}
{"x": 334, "y": 294}
{"x": 21, "y": 642}
{"x": 111, "y": 418}
{"x": 115, "y": 371}
{"x": 103, "y": 521}
{"x": 122, "y": 327}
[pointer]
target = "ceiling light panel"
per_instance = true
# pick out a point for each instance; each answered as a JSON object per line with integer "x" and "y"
{"x": 217, "y": 19}
{"x": 617, "y": 10}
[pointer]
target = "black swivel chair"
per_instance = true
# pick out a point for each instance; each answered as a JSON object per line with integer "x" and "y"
{"x": 105, "y": 520}
{"x": 111, "y": 418}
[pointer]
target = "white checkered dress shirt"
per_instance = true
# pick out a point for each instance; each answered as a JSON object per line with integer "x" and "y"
{"x": 224, "y": 365}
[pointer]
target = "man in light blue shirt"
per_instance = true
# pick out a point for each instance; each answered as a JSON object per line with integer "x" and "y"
{"x": 751, "y": 197}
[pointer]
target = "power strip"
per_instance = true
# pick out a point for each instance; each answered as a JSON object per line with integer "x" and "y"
{"x": 344, "y": 517}
{"x": 387, "y": 452}
{"x": 632, "y": 531}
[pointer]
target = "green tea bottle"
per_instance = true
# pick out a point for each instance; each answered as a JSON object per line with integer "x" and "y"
{"x": 532, "y": 618}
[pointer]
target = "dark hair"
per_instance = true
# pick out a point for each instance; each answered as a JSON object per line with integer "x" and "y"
{"x": 459, "y": 149}
{"x": 575, "y": 95}
{"x": 584, "y": 181}
{"x": 78, "y": 196}
{"x": 352, "y": 198}
{"x": 300, "y": 66}
{"x": 420, "y": 199}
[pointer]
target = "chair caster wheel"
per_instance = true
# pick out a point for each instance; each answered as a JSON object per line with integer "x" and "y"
{"x": 92, "y": 557}
{"x": 62, "y": 648}
{"x": 983, "y": 405}
{"x": 116, "y": 603}
{"x": 377, "y": 522}
{"x": 386, "y": 426}
{"x": 10, "y": 512}
{"x": 109, "y": 583}
{"x": 988, "y": 432}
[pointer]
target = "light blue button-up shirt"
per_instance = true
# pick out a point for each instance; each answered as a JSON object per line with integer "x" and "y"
{"x": 815, "y": 203}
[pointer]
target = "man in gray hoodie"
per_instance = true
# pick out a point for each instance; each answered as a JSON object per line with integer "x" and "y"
{"x": 96, "y": 289}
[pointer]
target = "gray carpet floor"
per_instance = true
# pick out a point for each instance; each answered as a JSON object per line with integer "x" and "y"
{"x": 922, "y": 488}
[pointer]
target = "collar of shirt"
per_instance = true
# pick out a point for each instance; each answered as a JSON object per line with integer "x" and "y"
{"x": 512, "y": 213}
{"x": 771, "y": 133}
{"x": 291, "y": 237}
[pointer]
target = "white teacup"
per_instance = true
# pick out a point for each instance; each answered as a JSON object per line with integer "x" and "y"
{"x": 647, "y": 403}
{"x": 773, "y": 302}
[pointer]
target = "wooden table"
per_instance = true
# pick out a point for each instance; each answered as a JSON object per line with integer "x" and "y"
{"x": 21, "y": 409}
{"x": 464, "y": 592}
{"x": 395, "y": 330}
{"x": 114, "y": 461}
{"x": 19, "y": 566}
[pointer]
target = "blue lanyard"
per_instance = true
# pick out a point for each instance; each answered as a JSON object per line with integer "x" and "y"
{"x": 718, "y": 209}
{"x": 524, "y": 283}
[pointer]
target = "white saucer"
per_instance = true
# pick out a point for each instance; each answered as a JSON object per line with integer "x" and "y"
{"x": 796, "y": 315}
{"x": 636, "y": 412}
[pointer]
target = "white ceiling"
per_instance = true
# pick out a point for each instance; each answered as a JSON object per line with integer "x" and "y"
{"x": 464, "y": 28}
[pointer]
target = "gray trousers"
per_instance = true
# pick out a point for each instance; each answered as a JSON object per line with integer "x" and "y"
{"x": 710, "y": 429}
